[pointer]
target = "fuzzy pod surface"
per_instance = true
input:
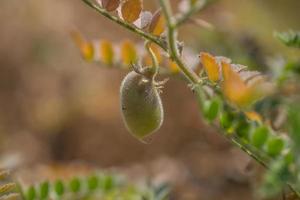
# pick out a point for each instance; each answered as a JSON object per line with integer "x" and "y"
{"x": 141, "y": 105}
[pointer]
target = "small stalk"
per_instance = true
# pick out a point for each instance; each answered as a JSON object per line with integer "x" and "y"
{"x": 173, "y": 51}
{"x": 155, "y": 64}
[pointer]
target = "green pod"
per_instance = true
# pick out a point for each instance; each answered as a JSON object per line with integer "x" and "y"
{"x": 260, "y": 136}
{"x": 211, "y": 109}
{"x": 31, "y": 193}
{"x": 44, "y": 190}
{"x": 226, "y": 120}
{"x": 243, "y": 128}
{"x": 275, "y": 146}
{"x": 141, "y": 104}
{"x": 75, "y": 185}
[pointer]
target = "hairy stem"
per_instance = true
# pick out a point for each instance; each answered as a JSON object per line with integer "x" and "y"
{"x": 155, "y": 65}
{"x": 173, "y": 51}
{"x": 258, "y": 159}
{"x": 126, "y": 25}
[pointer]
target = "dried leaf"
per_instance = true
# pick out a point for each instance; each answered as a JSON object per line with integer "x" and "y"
{"x": 144, "y": 20}
{"x": 7, "y": 187}
{"x": 131, "y": 10}
{"x": 4, "y": 174}
{"x": 158, "y": 24}
{"x": 13, "y": 196}
{"x": 109, "y": 5}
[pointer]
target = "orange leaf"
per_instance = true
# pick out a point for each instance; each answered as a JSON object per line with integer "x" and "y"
{"x": 106, "y": 52}
{"x": 131, "y": 10}
{"x": 243, "y": 93}
{"x": 173, "y": 67}
{"x": 86, "y": 47}
{"x": 211, "y": 66}
{"x": 234, "y": 88}
{"x": 110, "y": 5}
{"x": 158, "y": 24}
{"x": 254, "y": 116}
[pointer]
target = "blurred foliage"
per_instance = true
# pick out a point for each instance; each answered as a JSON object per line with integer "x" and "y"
{"x": 97, "y": 186}
{"x": 290, "y": 38}
{"x": 7, "y": 188}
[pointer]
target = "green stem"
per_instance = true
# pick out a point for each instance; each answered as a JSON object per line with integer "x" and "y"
{"x": 173, "y": 50}
{"x": 126, "y": 25}
{"x": 155, "y": 65}
{"x": 258, "y": 159}
{"x": 165, "y": 4}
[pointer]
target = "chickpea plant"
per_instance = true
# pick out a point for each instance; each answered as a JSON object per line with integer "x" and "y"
{"x": 238, "y": 102}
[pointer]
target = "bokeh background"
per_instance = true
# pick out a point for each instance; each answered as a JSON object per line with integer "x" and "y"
{"x": 56, "y": 108}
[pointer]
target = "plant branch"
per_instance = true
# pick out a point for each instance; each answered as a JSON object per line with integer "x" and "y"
{"x": 172, "y": 48}
{"x": 173, "y": 51}
{"x": 126, "y": 25}
{"x": 258, "y": 159}
{"x": 166, "y": 8}
{"x": 194, "y": 79}
{"x": 199, "y": 5}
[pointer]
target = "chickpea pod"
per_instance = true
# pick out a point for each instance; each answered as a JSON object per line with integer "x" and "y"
{"x": 141, "y": 104}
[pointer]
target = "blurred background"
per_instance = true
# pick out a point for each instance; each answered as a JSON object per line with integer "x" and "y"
{"x": 56, "y": 108}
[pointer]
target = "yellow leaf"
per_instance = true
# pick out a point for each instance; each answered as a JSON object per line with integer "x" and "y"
{"x": 211, "y": 66}
{"x": 106, "y": 52}
{"x": 131, "y": 10}
{"x": 254, "y": 116}
{"x": 158, "y": 24}
{"x": 86, "y": 47}
{"x": 128, "y": 53}
{"x": 173, "y": 67}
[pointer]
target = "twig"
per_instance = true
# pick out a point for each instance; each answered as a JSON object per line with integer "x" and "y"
{"x": 173, "y": 51}
{"x": 126, "y": 25}
{"x": 155, "y": 64}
